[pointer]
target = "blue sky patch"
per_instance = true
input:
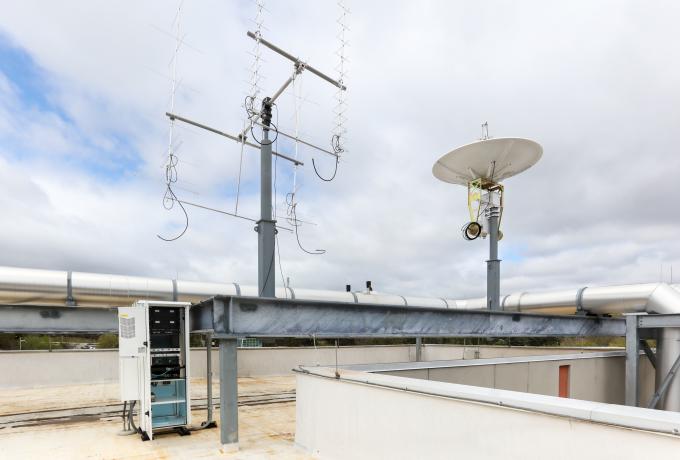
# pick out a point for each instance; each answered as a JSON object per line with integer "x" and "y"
{"x": 35, "y": 93}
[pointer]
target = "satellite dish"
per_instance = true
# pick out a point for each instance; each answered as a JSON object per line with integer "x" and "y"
{"x": 480, "y": 167}
{"x": 491, "y": 159}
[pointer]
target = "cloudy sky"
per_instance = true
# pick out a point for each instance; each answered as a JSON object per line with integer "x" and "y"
{"x": 83, "y": 139}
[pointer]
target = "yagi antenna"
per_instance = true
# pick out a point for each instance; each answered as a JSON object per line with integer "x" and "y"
{"x": 480, "y": 167}
{"x": 169, "y": 198}
{"x": 262, "y": 117}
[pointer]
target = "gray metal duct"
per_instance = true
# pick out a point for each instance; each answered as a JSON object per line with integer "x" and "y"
{"x": 628, "y": 298}
{"x": 50, "y": 287}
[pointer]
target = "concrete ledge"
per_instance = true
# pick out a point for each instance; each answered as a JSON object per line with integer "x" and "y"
{"x": 407, "y": 366}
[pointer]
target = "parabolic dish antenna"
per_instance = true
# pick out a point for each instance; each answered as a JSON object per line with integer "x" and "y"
{"x": 481, "y": 166}
{"x": 490, "y": 159}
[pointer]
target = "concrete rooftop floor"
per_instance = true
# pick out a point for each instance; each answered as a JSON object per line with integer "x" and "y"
{"x": 81, "y": 421}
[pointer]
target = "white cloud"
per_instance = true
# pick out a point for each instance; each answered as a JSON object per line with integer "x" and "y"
{"x": 591, "y": 81}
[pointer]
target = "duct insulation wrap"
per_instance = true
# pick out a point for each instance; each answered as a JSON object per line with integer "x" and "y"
{"x": 31, "y": 286}
{"x": 99, "y": 289}
{"x": 632, "y": 298}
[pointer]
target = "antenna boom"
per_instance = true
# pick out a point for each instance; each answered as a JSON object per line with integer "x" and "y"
{"x": 173, "y": 116}
{"x": 297, "y": 61}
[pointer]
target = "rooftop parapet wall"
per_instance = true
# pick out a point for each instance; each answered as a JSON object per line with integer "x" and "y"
{"x": 593, "y": 376}
{"x": 66, "y": 367}
{"x": 384, "y": 416}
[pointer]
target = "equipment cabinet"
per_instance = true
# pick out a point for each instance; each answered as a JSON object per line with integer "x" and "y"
{"x": 154, "y": 364}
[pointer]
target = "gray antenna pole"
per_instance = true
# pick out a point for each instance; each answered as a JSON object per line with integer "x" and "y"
{"x": 493, "y": 265}
{"x": 266, "y": 227}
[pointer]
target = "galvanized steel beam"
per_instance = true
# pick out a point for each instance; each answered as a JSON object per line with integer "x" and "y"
{"x": 649, "y": 352}
{"x": 232, "y": 316}
{"x": 665, "y": 384}
{"x": 258, "y": 317}
{"x": 632, "y": 361}
{"x": 228, "y": 393}
{"x": 658, "y": 321}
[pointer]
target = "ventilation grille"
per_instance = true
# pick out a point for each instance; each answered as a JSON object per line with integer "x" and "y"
{"x": 127, "y": 328}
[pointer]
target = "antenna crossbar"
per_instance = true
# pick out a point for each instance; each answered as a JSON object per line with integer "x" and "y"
{"x": 296, "y": 61}
{"x": 301, "y": 141}
{"x": 173, "y": 116}
{"x": 208, "y": 208}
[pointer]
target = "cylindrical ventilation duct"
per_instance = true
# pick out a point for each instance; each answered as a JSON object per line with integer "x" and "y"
{"x": 49, "y": 287}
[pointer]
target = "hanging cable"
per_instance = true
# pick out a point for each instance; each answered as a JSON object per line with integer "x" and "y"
{"x": 131, "y": 415}
{"x": 240, "y": 169}
{"x": 316, "y": 252}
{"x": 278, "y": 252}
{"x": 169, "y": 200}
{"x": 295, "y": 223}
{"x": 273, "y": 128}
{"x": 291, "y": 202}
{"x": 335, "y": 171}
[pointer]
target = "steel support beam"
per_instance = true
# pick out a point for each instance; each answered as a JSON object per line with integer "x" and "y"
{"x": 209, "y": 375}
{"x": 419, "y": 348}
{"x": 658, "y": 321}
{"x": 632, "y": 361}
{"x": 29, "y": 319}
{"x": 232, "y": 316}
{"x": 228, "y": 393}
{"x": 648, "y": 351}
{"x": 664, "y": 384}
{"x": 252, "y": 316}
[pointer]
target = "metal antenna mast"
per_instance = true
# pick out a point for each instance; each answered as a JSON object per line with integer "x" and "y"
{"x": 266, "y": 225}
